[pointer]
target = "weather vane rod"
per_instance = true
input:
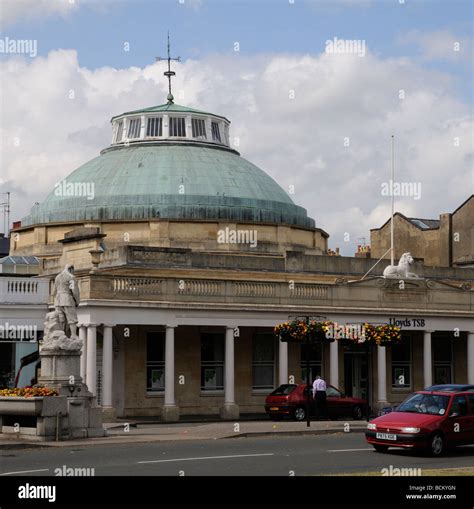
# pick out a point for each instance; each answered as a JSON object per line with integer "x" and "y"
{"x": 169, "y": 72}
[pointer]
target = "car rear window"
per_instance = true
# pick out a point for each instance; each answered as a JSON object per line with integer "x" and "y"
{"x": 284, "y": 390}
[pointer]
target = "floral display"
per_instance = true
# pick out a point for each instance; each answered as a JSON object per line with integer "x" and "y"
{"x": 28, "y": 392}
{"x": 382, "y": 334}
{"x": 298, "y": 330}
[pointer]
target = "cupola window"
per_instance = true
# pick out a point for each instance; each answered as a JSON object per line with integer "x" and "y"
{"x": 119, "y": 133}
{"x": 199, "y": 128}
{"x": 216, "y": 134}
{"x": 177, "y": 126}
{"x": 134, "y": 128}
{"x": 155, "y": 126}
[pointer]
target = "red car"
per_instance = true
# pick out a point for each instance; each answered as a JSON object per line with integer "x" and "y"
{"x": 431, "y": 420}
{"x": 289, "y": 400}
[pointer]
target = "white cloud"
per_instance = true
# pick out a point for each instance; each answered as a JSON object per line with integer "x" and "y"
{"x": 12, "y": 11}
{"x": 297, "y": 141}
{"x": 440, "y": 45}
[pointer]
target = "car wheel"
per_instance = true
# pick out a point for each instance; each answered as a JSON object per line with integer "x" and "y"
{"x": 357, "y": 413}
{"x": 380, "y": 448}
{"x": 437, "y": 444}
{"x": 300, "y": 413}
{"x": 276, "y": 417}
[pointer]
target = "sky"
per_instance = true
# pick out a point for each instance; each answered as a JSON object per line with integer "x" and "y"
{"x": 319, "y": 122}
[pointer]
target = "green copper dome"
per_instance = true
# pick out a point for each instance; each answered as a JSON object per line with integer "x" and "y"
{"x": 168, "y": 162}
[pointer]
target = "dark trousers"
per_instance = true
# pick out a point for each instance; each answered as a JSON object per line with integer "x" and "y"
{"x": 321, "y": 405}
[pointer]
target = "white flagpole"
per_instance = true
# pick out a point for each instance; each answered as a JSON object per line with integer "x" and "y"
{"x": 392, "y": 254}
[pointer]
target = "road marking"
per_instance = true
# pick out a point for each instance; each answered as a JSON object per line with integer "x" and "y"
{"x": 209, "y": 458}
{"x": 26, "y": 471}
{"x": 348, "y": 450}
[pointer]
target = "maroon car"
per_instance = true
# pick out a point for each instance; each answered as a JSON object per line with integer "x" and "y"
{"x": 289, "y": 400}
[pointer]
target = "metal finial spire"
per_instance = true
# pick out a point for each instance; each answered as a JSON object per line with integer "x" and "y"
{"x": 169, "y": 72}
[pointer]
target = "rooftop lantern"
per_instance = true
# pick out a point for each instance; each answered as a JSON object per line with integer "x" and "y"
{"x": 170, "y": 122}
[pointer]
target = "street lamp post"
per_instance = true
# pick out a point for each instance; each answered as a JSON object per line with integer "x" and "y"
{"x": 306, "y": 320}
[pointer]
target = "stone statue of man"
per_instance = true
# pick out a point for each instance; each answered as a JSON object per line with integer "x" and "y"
{"x": 66, "y": 299}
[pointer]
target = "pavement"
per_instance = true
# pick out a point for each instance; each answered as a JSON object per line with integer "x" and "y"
{"x": 134, "y": 432}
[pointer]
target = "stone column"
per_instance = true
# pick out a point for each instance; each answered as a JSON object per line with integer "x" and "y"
{"x": 107, "y": 370}
{"x": 83, "y": 337}
{"x": 334, "y": 363}
{"x": 427, "y": 363}
{"x": 282, "y": 362}
{"x": 91, "y": 367}
{"x": 230, "y": 410}
{"x": 381, "y": 376}
{"x": 170, "y": 410}
{"x": 470, "y": 358}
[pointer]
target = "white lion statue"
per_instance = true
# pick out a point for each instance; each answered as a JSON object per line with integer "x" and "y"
{"x": 401, "y": 270}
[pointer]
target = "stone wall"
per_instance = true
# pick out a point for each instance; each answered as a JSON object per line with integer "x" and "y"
{"x": 43, "y": 240}
{"x": 463, "y": 234}
{"x": 426, "y": 245}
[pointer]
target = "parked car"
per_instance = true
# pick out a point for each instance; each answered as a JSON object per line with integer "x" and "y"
{"x": 451, "y": 388}
{"x": 289, "y": 400}
{"x": 428, "y": 420}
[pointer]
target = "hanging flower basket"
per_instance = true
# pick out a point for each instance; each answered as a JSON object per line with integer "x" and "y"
{"x": 298, "y": 331}
{"x": 383, "y": 334}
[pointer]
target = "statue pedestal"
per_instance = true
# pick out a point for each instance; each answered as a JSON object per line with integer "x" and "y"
{"x": 60, "y": 370}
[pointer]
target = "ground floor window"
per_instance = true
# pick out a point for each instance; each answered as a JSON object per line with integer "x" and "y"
{"x": 401, "y": 364}
{"x": 315, "y": 361}
{"x": 263, "y": 361}
{"x": 7, "y": 365}
{"x": 155, "y": 362}
{"x": 19, "y": 363}
{"x": 212, "y": 361}
{"x": 442, "y": 360}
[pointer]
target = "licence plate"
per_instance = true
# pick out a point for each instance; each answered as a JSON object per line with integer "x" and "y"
{"x": 274, "y": 408}
{"x": 386, "y": 436}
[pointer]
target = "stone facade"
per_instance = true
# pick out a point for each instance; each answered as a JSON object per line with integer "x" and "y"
{"x": 136, "y": 290}
{"x": 43, "y": 240}
{"x": 446, "y": 242}
{"x": 129, "y": 289}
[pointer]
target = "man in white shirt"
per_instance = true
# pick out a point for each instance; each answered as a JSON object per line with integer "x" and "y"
{"x": 319, "y": 395}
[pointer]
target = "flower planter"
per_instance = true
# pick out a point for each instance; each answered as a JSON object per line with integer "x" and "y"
{"x": 21, "y": 406}
{"x": 33, "y": 418}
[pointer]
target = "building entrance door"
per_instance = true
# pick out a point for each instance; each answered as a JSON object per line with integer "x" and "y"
{"x": 355, "y": 374}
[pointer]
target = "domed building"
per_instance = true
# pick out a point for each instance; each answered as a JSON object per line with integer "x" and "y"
{"x": 171, "y": 179}
{"x": 187, "y": 255}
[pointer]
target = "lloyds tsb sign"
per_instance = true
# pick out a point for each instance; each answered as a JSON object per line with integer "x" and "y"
{"x": 407, "y": 322}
